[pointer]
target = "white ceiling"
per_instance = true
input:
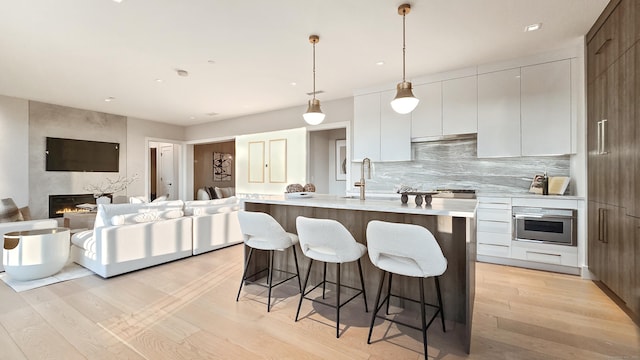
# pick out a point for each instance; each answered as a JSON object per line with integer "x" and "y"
{"x": 79, "y": 52}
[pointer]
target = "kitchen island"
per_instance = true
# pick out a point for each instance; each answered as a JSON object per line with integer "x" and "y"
{"x": 452, "y": 222}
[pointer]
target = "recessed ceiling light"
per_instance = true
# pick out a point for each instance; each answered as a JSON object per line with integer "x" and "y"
{"x": 212, "y": 114}
{"x": 293, "y": 83}
{"x": 118, "y": 1}
{"x": 181, "y": 72}
{"x": 380, "y": 63}
{"x": 158, "y": 80}
{"x": 211, "y": 61}
{"x": 192, "y": 117}
{"x": 532, "y": 27}
{"x": 109, "y": 99}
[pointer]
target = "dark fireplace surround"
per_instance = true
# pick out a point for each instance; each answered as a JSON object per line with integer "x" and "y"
{"x": 59, "y": 204}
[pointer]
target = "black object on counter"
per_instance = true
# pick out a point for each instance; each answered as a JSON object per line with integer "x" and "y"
{"x": 545, "y": 184}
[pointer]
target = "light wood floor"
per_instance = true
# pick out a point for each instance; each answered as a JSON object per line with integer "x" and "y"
{"x": 187, "y": 310}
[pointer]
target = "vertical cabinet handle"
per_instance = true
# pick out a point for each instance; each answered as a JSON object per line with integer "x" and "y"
{"x": 600, "y": 235}
{"x": 603, "y": 137}
{"x": 598, "y": 144}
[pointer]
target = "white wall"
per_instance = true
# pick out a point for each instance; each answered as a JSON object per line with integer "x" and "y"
{"x": 14, "y": 150}
{"x": 139, "y": 133}
{"x": 322, "y": 161}
{"x": 296, "y": 161}
{"x": 290, "y": 118}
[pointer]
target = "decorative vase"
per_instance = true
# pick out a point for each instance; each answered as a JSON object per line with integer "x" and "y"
{"x": 103, "y": 200}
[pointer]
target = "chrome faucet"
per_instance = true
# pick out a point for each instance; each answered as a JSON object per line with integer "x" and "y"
{"x": 367, "y": 162}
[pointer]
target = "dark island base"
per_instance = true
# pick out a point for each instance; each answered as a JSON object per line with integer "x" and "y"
{"x": 456, "y": 236}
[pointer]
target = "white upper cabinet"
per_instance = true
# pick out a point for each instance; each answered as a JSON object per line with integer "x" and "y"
{"x": 380, "y": 133}
{"x": 395, "y": 131}
{"x": 546, "y": 108}
{"x": 499, "y": 113}
{"x": 426, "y": 119}
{"x": 460, "y": 106}
{"x": 366, "y": 127}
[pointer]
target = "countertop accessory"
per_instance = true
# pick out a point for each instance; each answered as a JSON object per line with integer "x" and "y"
{"x": 314, "y": 115}
{"x": 404, "y": 102}
{"x": 404, "y": 197}
{"x": 298, "y": 195}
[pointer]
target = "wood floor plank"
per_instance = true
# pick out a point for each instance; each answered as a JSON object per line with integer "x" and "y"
{"x": 186, "y": 309}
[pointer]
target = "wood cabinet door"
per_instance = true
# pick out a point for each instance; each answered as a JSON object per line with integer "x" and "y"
{"x": 634, "y": 302}
{"x": 629, "y": 101}
{"x": 596, "y": 249}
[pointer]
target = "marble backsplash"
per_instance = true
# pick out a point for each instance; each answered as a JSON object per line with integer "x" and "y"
{"x": 453, "y": 164}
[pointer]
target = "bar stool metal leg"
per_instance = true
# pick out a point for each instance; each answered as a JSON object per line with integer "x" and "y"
{"x": 324, "y": 280}
{"x": 270, "y": 279}
{"x": 338, "y": 302}
{"x": 364, "y": 295}
{"x": 423, "y": 317}
{"x": 389, "y": 292}
{"x": 304, "y": 288}
{"x": 440, "y": 302}
{"x": 244, "y": 273}
{"x": 295, "y": 259}
{"x": 376, "y": 306}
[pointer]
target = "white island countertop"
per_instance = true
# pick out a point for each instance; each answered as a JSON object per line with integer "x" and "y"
{"x": 439, "y": 206}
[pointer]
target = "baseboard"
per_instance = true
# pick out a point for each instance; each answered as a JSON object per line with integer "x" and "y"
{"x": 530, "y": 264}
{"x": 621, "y": 303}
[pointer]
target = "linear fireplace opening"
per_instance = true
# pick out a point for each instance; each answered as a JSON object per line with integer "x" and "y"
{"x": 59, "y": 204}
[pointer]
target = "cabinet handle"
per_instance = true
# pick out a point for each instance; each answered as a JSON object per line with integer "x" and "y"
{"x": 598, "y": 143}
{"x": 604, "y": 137}
{"x": 600, "y": 224}
{"x": 604, "y": 44}
{"x": 605, "y": 237}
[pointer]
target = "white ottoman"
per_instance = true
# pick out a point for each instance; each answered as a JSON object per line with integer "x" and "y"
{"x": 35, "y": 254}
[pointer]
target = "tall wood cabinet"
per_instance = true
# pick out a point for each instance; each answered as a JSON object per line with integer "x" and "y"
{"x": 613, "y": 129}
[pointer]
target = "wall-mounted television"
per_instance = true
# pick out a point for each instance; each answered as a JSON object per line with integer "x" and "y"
{"x": 82, "y": 155}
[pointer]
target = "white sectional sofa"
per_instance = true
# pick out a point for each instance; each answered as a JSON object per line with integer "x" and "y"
{"x": 215, "y": 223}
{"x": 129, "y": 237}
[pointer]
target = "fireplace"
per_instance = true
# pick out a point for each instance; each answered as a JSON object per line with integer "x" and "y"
{"x": 59, "y": 204}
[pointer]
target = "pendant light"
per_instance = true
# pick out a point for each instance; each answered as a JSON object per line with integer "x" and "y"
{"x": 314, "y": 115}
{"x": 404, "y": 102}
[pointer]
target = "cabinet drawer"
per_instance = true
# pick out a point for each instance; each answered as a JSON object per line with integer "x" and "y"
{"x": 494, "y": 214}
{"x": 494, "y": 226}
{"x": 493, "y": 238}
{"x": 493, "y": 250}
{"x": 494, "y": 202}
{"x": 545, "y": 253}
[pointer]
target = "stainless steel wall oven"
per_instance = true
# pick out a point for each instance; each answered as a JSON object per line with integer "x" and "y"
{"x": 545, "y": 225}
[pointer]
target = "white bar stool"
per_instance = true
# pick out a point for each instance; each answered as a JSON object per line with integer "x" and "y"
{"x": 329, "y": 241}
{"x": 408, "y": 250}
{"x": 263, "y": 232}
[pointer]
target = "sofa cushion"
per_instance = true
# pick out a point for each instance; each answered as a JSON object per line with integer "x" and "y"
{"x": 216, "y": 209}
{"x": 191, "y": 206}
{"x": 84, "y": 240}
{"x": 225, "y": 192}
{"x": 9, "y": 212}
{"x": 143, "y": 217}
{"x": 107, "y": 211}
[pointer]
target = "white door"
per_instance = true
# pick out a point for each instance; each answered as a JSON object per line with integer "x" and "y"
{"x": 166, "y": 173}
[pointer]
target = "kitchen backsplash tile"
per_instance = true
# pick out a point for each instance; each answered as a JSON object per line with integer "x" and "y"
{"x": 453, "y": 164}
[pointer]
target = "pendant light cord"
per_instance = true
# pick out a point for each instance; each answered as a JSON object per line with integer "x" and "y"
{"x": 314, "y": 70}
{"x": 404, "y": 48}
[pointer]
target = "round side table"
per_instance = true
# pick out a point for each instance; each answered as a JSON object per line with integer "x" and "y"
{"x": 35, "y": 254}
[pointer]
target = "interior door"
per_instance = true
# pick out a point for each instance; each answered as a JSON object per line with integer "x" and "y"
{"x": 166, "y": 173}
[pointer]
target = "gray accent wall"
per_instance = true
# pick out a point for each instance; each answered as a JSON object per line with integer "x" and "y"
{"x": 454, "y": 164}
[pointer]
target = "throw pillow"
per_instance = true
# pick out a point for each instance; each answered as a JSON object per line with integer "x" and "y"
{"x": 218, "y": 192}
{"x": 26, "y": 213}
{"x": 144, "y": 217}
{"x": 212, "y": 193}
{"x": 9, "y": 212}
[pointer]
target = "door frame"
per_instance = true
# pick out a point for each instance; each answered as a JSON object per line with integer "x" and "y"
{"x": 179, "y": 156}
{"x": 332, "y": 126}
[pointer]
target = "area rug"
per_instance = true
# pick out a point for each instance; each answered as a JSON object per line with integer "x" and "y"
{"x": 68, "y": 272}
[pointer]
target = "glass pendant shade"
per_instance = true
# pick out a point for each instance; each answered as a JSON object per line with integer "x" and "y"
{"x": 404, "y": 102}
{"x": 314, "y": 115}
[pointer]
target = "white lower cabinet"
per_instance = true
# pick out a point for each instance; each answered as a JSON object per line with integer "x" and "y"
{"x": 545, "y": 253}
{"x": 494, "y": 227}
{"x": 494, "y": 236}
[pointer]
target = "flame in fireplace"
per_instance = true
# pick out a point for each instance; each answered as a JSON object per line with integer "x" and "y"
{"x": 71, "y": 210}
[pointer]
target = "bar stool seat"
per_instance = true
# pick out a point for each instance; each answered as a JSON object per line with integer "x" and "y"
{"x": 263, "y": 232}
{"x": 407, "y": 250}
{"x": 329, "y": 241}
